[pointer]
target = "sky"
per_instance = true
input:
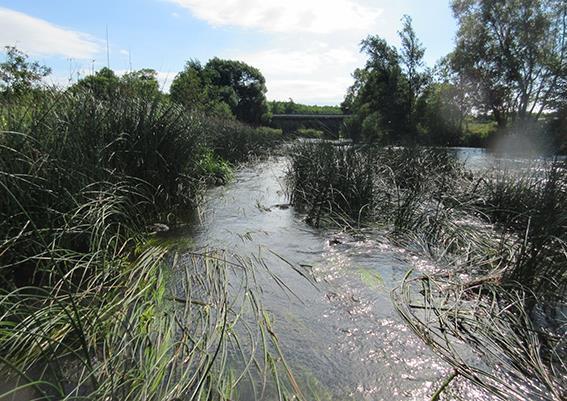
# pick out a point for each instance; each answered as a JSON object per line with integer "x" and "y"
{"x": 306, "y": 49}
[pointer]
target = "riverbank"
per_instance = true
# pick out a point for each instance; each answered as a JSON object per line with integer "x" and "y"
{"x": 86, "y": 303}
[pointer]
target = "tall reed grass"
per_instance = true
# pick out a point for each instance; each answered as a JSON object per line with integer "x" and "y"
{"x": 500, "y": 236}
{"x": 87, "y": 306}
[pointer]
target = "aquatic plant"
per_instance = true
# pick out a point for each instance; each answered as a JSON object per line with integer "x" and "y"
{"x": 234, "y": 141}
{"x": 330, "y": 181}
{"x": 487, "y": 333}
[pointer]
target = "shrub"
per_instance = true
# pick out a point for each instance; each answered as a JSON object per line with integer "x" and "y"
{"x": 270, "y": 134}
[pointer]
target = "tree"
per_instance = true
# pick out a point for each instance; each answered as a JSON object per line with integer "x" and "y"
{"x": 142, "y": 83}
{"x": 104, "y": 84}
{"x": 222, "y": 85}
{"x": 190, "y": 89}
{"x": 378, "y": 95}
{"x": 18, "y": 75}
{"x": 463, "y": 90}
{"x": 514, "y": 54}
{"x": 241, "y": 86}
{"x": 411, "y": 57}
{"x": 440, "y": 114}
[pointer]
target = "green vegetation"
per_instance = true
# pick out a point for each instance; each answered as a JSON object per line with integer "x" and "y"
{"x": 87, "y": 305}
{"x": 223, "y": 88}
{"x": 501, "y": 235}
{"x": 290, "y": 107}
{"x": 479, "y": 134}
{"x": 511, "y": 77}
{"x": 91, "y": 173}
{"x": 383, "y": 97}
{"x": 106, "y": 85}
{"x": 18, "y": 75}
{"x": 310, "y": 133}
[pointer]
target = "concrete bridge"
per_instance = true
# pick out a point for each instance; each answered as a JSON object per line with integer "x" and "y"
{"x": 331, "y": 124}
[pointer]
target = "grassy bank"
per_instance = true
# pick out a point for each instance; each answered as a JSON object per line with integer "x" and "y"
{"x": 87, "y": 305}
{"x": 499, "y": 238}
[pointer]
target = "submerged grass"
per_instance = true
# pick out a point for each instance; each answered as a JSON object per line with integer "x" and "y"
{"x": 87, "y": 305}
{"x": 500, "y": 237}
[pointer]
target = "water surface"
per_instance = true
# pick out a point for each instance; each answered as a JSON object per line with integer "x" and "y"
{"x": 342, "y": 333}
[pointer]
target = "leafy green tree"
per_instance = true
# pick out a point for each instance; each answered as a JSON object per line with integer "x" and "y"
{"x": 190, "y": 87}
{"x": 222, "y": 86}
{"x": 411, "y": 57}
{"x": 104, "y": 84}
{"x": 142, "y": 83}
{"x": 241, "y": 86}
{"x": 18, "y": 75}
{"x": 463, "y": 90}
{"x": 514, "y": 52}
{"x": 378, "y": 94}
{"x": 440, "y": 114}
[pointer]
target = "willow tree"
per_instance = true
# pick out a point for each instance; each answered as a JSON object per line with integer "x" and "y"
{"x": 513, "y": 53}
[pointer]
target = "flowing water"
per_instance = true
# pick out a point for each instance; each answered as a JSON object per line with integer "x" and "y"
{"x": 339, "y": 331}
{"x": 343, "y": 333}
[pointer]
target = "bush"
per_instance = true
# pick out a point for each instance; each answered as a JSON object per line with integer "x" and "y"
{"x": 215, "y": 169}
{"x": 479, "y": 134}
{"x": 270, "y": 134}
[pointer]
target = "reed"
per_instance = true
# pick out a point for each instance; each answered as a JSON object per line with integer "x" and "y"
{"x": 327, "y": 180}
{"x": 88, "y": 309}
{"x": 499, "y": 238}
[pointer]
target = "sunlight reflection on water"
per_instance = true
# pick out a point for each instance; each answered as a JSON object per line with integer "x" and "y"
{"x": 346, "y": 332}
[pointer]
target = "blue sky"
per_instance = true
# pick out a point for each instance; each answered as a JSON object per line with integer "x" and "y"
{"x": 306, "y": 49}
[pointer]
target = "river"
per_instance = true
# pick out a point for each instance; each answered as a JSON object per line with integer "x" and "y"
{"x": 343, "y": 333}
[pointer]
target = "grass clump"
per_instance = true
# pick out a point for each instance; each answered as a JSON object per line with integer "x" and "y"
{"x": 330, "y": 181}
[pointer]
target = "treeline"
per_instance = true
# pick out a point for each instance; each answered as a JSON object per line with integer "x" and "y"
{"x": 226, "y": 89}
{"x": 290, "y": 107}
{"x": 506, "y": 75}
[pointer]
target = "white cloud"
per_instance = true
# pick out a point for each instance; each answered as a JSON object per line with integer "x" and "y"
{"x": 281, "y": 16}
{"x": 277, "y": 62}
{"x": 309, "y": 91}
{"x": 37, "y": 36}
{"x": 319, "y": 73}
{"x": 314, "y": 44}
